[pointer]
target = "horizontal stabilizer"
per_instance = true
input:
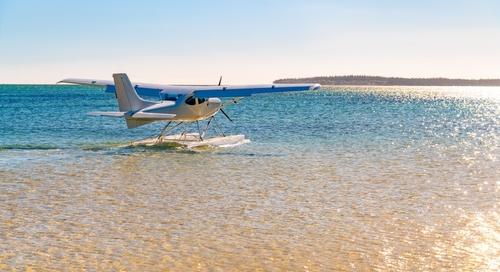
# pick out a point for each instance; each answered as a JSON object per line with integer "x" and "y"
{"x": 108, "y": 113}
{"x": 152, "y": 115}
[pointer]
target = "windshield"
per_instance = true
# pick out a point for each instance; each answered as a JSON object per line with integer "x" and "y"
{"x": 191, "y": 100}
{"x": 195, "y": 100}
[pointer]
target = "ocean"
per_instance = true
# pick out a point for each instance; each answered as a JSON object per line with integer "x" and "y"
{"x": 344, "y": 178}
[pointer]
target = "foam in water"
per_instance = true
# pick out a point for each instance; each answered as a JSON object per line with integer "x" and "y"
{"x": 192, "y": 141}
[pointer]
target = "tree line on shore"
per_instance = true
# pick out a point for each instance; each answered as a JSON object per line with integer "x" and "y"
{"x": 390, "y": 81}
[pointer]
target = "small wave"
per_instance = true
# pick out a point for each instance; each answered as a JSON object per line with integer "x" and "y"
{"x": 28, "y": 147}
{"x": 101, "y": 146}
{"x": 155, "y": 146}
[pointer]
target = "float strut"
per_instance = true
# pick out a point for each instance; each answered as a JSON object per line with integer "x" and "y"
{"x": 199, "y": 131}
{"x": 163, "y": 130}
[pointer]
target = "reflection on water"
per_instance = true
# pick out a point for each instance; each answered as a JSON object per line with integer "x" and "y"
{"x": 394, "y": 180}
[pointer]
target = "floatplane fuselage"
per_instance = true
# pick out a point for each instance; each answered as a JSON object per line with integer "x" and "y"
{"x": 176, "y": 103}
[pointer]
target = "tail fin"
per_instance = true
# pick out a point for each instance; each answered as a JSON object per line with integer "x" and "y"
{"x": 128, "y": 100}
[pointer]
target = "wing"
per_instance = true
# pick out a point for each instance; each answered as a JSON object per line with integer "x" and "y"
{"x": 203, "y": 91}
{"x": 143, "y": 89}
{"x": 88, "y": 82}
{"x": 248, "y": 90}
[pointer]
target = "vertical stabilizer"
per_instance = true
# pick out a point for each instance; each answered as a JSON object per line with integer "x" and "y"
{"x": 128, "y": 100}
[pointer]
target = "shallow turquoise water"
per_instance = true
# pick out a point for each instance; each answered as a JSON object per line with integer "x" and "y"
{"x": 342, "y": 178}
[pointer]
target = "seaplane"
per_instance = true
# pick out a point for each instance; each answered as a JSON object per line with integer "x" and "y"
{"x": 144, "y": 103}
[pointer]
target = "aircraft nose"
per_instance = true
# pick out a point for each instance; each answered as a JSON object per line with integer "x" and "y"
{"x": 214, "y": 102}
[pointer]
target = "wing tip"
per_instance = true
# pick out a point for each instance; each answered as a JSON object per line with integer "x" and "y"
{"x": 68, "y": 81}
{"x": 315, "y": 87}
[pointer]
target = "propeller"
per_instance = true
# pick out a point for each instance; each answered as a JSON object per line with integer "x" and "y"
{"x": 233, "y": 101}
{"x": 225, "y": 114}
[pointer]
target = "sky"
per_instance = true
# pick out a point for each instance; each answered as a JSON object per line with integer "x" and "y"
{"x": 253, "y": 41}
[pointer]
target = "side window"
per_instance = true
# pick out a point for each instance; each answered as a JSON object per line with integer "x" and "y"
{"x": 201, "y": 100}
{"x": 170, "y": 98}
{"x": 190, "y": 100}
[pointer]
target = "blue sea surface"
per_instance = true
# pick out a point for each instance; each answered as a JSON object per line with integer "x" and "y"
{"x": 55, "y": 116}
{"x": 391, "y": 178}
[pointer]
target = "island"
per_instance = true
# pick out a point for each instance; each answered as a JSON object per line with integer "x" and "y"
{"x": 361, "y": 80}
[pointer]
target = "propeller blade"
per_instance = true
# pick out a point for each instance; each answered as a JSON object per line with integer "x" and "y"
{"x": 231, "y": 101}
{"x": 225, "y": 114}
{"x": 220, "y": 80}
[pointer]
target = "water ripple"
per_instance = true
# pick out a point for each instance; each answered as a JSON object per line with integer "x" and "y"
{"x": 403, "y": 179}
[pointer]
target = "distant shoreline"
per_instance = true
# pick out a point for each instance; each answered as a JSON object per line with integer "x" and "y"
{"x": 392, "y": 81}
{"x": 363, "y": 81}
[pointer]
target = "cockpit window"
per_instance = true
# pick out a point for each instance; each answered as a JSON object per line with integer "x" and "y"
{"x": 170, "y": 98}
{"x": 195, "y": 100}
{"x": 191, "y": 100}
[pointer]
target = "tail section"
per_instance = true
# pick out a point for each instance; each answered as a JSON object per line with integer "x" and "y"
{"x": 133, "y": 123}
{"x": 131, "y": 105}
{"x": 128, "y": 100}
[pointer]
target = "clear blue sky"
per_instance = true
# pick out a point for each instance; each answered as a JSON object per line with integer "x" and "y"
{"x": 246, "y": 41}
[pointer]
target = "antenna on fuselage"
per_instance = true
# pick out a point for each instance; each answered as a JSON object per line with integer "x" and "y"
{"x": 220, "y": 80}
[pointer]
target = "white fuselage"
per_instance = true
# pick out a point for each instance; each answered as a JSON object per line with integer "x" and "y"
{"x": 186, "y": 109}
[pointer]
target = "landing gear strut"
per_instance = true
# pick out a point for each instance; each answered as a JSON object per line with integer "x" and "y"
{"x": 166, "y": 131}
